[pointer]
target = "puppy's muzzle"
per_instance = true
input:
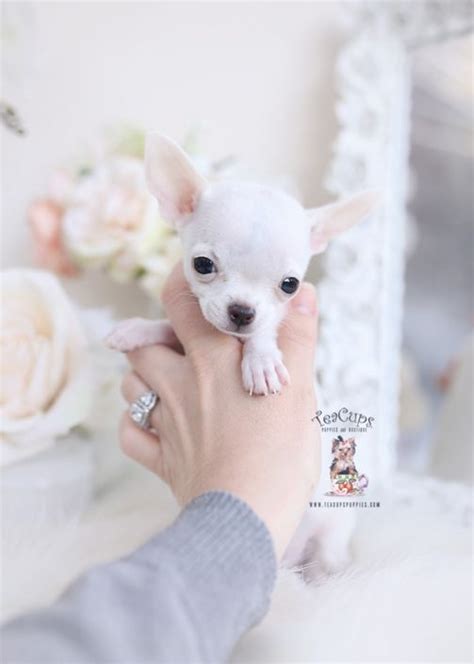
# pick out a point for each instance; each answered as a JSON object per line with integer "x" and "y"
{"x": 240, "y": 314}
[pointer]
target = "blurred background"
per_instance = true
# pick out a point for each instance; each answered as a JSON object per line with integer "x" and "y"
{"x": 436, "y": 415}
{"x": 254, "y": 84}
{"x": 249, "y": 89}
{"x": 251, "y": 81}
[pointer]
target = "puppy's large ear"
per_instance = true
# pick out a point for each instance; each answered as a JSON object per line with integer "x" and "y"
{"x": 330, "y": 220}
{"x": 172, "y": 178}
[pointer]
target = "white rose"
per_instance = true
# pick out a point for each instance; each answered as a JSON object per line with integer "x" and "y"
{"x": 45, "y": 387}
{"x": 113, "y": 221}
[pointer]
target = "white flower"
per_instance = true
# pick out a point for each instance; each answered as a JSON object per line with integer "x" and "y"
{"x": 158, "y": 266}
{"x": 113, "y": 221}
{"x": 46, "y": 384}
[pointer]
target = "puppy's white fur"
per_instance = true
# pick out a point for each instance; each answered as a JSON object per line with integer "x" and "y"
{"x": 256, "y": 237}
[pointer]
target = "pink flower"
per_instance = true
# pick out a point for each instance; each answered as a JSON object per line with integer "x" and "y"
{"x": 45, "y": 218}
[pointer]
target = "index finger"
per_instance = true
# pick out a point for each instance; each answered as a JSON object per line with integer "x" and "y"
{"x": 183, "y": 310}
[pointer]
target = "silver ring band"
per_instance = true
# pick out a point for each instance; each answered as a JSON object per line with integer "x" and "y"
{"x": 140, "y": 409}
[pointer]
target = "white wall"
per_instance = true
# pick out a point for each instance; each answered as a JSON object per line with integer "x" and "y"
{"x": 257, "y": 77}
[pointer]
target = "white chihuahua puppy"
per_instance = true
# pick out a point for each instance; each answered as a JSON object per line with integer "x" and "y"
{"x": 246, "y": 250}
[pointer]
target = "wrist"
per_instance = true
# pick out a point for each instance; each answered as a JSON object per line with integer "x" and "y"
{"x": 274, "y": 509}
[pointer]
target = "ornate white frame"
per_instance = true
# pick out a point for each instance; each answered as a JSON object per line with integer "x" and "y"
{"x": 362, "y": 288}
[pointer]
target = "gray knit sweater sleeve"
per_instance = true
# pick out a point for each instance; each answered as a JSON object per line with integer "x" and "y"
{"x": 186, "y": 596}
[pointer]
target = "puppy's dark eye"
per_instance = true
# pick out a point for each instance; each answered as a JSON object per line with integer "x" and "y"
{"x": 290, "y": 285}
{"x": 204, "y": 265}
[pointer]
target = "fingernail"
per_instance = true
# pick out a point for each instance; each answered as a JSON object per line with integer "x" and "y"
{"x": 304, "y": 301}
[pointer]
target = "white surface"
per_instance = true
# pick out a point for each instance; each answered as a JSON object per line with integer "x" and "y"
{"x": 53, "y": 488}
{"x": 405, "y": 598}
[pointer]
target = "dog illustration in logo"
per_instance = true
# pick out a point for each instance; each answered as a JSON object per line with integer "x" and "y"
{"x": 343, "y": 472}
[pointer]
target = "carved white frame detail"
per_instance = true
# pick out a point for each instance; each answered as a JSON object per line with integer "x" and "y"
{"x": 362, "y": 288}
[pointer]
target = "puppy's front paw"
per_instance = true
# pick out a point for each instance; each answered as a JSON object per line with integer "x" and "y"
{"x": 129, "y": 335}
{"x": 264, "y": 373}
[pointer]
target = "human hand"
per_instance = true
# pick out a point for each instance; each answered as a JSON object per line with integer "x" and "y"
{"x": 210, "y": 434}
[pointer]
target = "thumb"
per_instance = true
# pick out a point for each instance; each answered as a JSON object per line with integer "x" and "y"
{"x": 298, "y": 332}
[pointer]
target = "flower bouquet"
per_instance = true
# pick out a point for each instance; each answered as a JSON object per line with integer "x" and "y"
{"x": 97, "y": 213}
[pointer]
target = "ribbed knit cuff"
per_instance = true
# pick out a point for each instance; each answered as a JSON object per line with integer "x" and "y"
{"x": 225, "y": 555}
{"x": 224, "y": 531}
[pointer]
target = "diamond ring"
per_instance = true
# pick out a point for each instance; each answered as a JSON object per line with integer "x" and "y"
{"x": 140, "y": 409}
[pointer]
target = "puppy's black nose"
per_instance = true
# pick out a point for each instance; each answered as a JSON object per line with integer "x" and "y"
{"x": 240, "y": 314}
